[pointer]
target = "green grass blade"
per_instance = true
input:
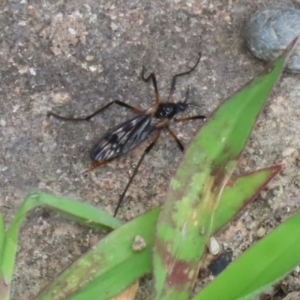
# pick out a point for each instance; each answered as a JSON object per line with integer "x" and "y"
{"x": 81, "y": 211}
{"x": 99, "y": 271}
{"x": 122, "y": 270}
{"x": 137, "y": 264}
{"x": 240, "y": 192}
{"x": 105, "y": 286}
{"x": 11, "y": 241}
{"x": 4, "y": 284}
{"x": 186, "y": 219}
{"x": 264, "y": 263}
{"x": 2, "y": 235}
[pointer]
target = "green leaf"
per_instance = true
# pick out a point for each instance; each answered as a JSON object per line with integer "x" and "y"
{"x": 4, "y": 284}
{"x": 186, "y": 219}
{"x": 240, "y": 192}
{"x": 261, "y": 265}
{"x": 109, "y": 267}
{"x": 108, "y": 277}
{"x": 2, "y": 234}
{"x": 80, "y": 211}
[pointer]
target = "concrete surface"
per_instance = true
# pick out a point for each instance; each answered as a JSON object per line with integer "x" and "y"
{"x": 74, "y": 56}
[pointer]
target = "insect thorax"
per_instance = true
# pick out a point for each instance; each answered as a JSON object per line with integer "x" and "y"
{"x": 169, "y": 110}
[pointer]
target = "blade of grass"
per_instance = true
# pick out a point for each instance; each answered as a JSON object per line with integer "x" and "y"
{"x": 110, "y": 267}
{"x": 125, "y": 266}
{"x": 87, "y": 214}
{"x": 4, "y": 284}
{"x": 240, "y": 192}
{"x": 186, "y": 219}
{"x": 2, "y": 234}
{"x": 261, "y": 265}
{"x": 82, "y": 212}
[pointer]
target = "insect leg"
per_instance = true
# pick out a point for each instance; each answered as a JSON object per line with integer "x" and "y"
{"x": 190, "y": 118}
{"x": 153, "y": 78}
{"x": 173, "y": 83}
{"x": 87, "y": 118}
{"x": 173, "y": 135}
{"x": 95, "y": 164}
{"x": 147, "y": 150}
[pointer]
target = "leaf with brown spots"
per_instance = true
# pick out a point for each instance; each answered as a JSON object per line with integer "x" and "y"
{"x": 185, "y": 222}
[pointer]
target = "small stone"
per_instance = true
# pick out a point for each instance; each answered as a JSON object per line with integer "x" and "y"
{"x": 261, "y": 232}
{"x": 93, "y": 68}
{"x": 22, "y": 23}
{"x": 23, "y": 70}
{"x": 292, "y": 296}
{"x": 72, "y": 31}
{"x": 213, "y": 246}
{"x": 113, "y": 26}
{"x": 89, "y": 57}
{"x": 226, "y": 17}
{"x": 61, "y": 97}
{"x": 270, "y": 31}
{"x": 297, "y": 269}
{"x": 32, "y": 71}
{"x": 288, "y": 152}
{"x": 139, "y": 244}
{"x": 220, "y": 262}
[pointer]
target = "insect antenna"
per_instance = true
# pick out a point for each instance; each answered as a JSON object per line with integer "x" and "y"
{"x": 197, "y": 117}
{"x": 173, "y": 83}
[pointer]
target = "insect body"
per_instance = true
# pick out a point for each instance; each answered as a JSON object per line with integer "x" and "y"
{"x": 128, "y": 135}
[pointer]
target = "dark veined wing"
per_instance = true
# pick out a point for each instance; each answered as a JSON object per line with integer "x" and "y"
{"x": 123, "y": 138}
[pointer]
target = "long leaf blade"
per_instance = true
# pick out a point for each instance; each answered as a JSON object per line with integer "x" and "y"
{"x": 120, "y": 272}
{"x": 184, "y": 224}
{"x": 81, "y": 211}
{"x": 260, "y": 266}
{"x": 99, "y": 271}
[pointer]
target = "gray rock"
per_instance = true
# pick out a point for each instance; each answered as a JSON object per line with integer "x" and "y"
{"x": 269, "y": 31}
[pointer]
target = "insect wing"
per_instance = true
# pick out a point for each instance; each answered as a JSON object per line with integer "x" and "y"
{"x": 123, "y": 138}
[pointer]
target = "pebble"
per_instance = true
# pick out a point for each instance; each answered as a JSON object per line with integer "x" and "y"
{"x": 297, "y": 269}
{"x": 269, "y": 31}
{"x": 292, "y": 296}
{"x": 113, "y": 26}
{"x": 220, "y": 262}
{"x": 139, "y": 244}
{"x": 213, "y": 246}
{"x": 289, "y": 152}
{"x": 89, "y": 57}
{"x": 261, "y": 232}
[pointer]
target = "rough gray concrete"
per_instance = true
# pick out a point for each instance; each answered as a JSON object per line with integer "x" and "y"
{"x": 45, "y": 67}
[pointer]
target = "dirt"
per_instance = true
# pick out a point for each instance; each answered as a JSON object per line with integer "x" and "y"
{"x": 73, "y": 57}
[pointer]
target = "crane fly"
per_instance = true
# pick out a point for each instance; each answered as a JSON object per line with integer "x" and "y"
{"x": 131, "y": 133}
